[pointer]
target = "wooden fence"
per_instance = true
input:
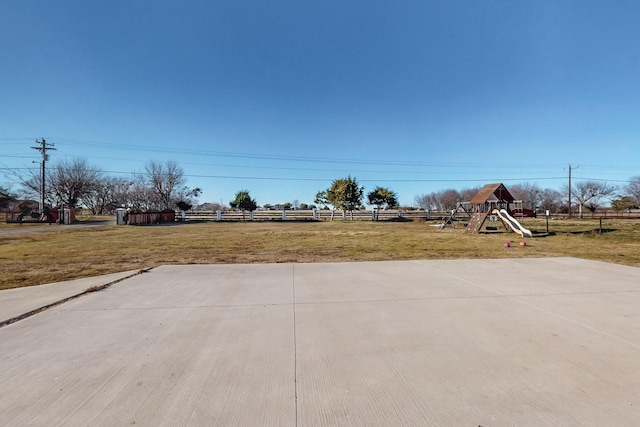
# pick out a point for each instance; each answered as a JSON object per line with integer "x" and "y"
{"x": 138, "y": 218}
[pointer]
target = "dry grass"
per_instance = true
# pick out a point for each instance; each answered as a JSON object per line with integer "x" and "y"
{"x": 63, "y": 253}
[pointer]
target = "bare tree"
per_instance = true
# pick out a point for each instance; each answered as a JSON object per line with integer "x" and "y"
{"x": 468, "y": 193}
{"x": 142, "y": 197}
{"x": 97, "y": 200}
{"x": 110, "y": 193}
{"x": 551, "y": 200}
{"x": 590, "y": 193}
{"x": 165, "y": 179}
{"x": 30, "y": 185}
{"x": 121, "y": 192}
{"x": 67, "y": 182}
{"x": 530, "y": 194}
{"x": 633, "y": 189}
{"x": 212, "y": 207}
{"x": 426, "y": 202}
{"x": 448, "y": 199}
{"x": 70, "y": 181}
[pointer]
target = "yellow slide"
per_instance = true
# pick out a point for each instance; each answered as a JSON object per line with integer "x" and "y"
{"x": 515, "y": 225}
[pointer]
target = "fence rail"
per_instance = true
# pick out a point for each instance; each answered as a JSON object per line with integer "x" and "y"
{"x": 300, "y": 215}
{"x": 324, "y": 215}
{"x": 365, "y": 215}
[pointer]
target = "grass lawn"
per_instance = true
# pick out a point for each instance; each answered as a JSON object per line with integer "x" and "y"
{"x": 69, "y": 252}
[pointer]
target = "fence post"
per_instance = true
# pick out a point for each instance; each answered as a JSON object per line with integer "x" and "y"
{"x": 315, "y": 215}
{"x": 218, "y": 216}
{"x": 399, "y": 214}
{"x": 251, "y": 216}
{"x": 284, "y": 214}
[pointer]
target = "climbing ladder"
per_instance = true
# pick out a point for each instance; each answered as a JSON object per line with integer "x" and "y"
{"x": 475, "y": 224}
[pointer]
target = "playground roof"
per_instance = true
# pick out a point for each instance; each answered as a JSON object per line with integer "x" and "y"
{"x": 494, "y": 192}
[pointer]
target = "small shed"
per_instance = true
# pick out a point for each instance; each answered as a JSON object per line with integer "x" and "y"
{"x": 490, "y": 197}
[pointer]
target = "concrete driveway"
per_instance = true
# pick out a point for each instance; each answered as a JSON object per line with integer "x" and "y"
{"x": 524, "y": 342}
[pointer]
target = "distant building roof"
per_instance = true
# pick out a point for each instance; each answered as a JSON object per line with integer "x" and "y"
{"x": 492, "y": 192}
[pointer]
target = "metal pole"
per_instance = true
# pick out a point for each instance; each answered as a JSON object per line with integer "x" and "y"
{"x": 547, "y": 215}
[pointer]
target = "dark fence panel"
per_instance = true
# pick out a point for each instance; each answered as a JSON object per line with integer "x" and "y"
{"x": 140, "y": 218}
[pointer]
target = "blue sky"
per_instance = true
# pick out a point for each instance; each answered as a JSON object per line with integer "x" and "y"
{"x": 282, "y": 97}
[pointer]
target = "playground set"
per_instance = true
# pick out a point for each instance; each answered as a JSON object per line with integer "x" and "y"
{"x": 493, "y": 202}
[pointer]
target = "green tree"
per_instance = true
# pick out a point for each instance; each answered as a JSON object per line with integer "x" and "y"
{"x": 345, "y": 194}
{"x": 380, "y": 197}
{"x": 184, "y": 206}
{"x": 244, "y": 202}
{"x": 622, "y": 204}
{"x": 321, "y": 199}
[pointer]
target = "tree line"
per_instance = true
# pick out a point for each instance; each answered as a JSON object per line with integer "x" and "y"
{"x": 74, "y": 183}
{"x": 162, "y": 185}
{"x": 344, "y": 193}
{"x": 586, "y": 196}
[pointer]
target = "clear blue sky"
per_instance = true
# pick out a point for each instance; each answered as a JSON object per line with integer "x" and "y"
{"x": 282, "y": 97}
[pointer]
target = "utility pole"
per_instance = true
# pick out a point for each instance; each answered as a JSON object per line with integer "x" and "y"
{"x": 43, "y": 148}
{"x": 570, "y": 168}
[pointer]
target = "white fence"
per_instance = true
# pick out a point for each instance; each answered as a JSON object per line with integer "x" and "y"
{"x": 303, "y": 215}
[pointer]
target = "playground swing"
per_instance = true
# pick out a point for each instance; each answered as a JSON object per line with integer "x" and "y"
{"x": 460, "y": 207}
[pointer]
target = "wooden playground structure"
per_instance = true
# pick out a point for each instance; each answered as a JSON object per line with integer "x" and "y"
{"x": 488, "y": 203}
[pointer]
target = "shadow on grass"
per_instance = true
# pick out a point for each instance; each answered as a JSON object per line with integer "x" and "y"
{"x": 536, "y": 234}
{"x": 594, "y": 232}
{"x": 399, "y": 220}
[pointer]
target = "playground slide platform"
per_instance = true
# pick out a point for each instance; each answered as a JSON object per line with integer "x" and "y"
{"x": 513, "y": 223}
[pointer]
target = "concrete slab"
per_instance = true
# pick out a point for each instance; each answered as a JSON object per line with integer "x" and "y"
{"x": 16, "y": 302}
{"x": 491, "y": 343}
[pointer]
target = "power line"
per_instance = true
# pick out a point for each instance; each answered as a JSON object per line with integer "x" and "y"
{"x": 259, "y": 156}
{"x": 15, "y": 156}
{"x": 275, "y": 157}
{"x": 267, "y": 178}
